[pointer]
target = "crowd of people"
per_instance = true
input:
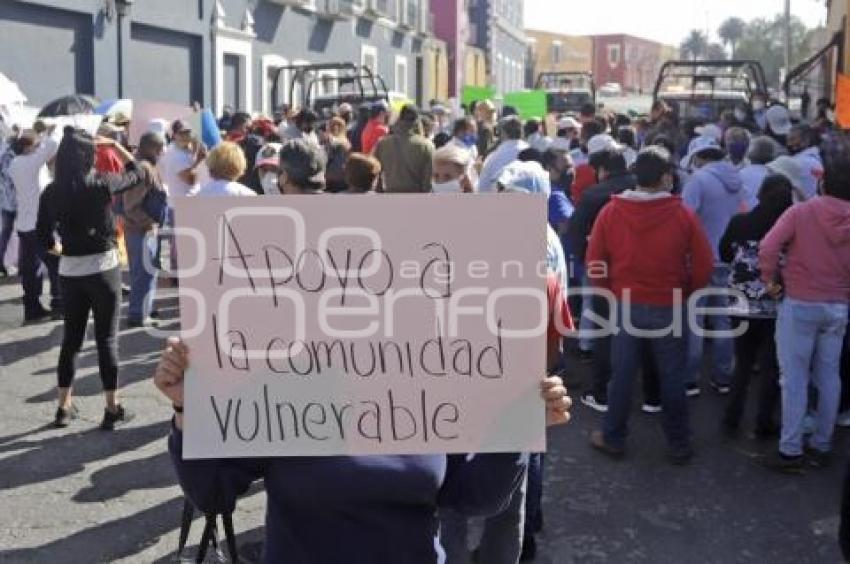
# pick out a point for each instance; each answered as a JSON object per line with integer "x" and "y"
{"x": 739, "y": 224}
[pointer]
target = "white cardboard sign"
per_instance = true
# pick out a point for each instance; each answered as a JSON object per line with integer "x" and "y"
{"x": 356, "y": 325}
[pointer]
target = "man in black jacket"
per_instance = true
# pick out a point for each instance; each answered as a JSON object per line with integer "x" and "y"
{"x": 614, "y": 178}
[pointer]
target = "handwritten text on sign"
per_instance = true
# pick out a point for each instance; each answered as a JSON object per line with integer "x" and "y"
{"x": 347, "y": 325}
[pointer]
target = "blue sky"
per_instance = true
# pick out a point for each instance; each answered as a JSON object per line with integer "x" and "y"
{"x": 664, "y": 20}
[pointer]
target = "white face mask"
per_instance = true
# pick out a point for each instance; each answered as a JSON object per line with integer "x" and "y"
{"x": 758, "y": 105}
{"x": 450, "y": 187}
{"x": 269, "y": 183}
{"x": 830, "y": 115}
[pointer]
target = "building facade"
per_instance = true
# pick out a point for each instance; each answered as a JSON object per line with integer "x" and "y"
{"x": 215, "y": 52}
{"x": 496, "y": 27}
{"x": 554, "y": 52}
{"x": 632, "y": 62}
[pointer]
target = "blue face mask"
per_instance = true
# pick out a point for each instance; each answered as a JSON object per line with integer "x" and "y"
{"x": 469, "y": 139}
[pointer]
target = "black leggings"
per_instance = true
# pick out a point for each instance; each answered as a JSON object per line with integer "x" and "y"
{"x": 100, "y": 294}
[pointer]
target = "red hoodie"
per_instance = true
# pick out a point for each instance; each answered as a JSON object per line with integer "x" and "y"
{"x": 651, "y": 246}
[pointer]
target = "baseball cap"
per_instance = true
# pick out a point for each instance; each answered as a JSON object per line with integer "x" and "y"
{"x": 560, "y": 144}
{"x": 120, "y": 118}
{"x": 568, "y": 123}
{"x": 709, "y": 130}
{"x": 269, "y": 155}
{"x": 602, "y": 142}
{"x": 778, "y": 119}
{"x": 159, "y": 127}
{"x": 303, "y": 162}
{"x": 789, "y": 168}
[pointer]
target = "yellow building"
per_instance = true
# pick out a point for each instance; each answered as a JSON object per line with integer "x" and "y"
{"x": 475, "y": 67}
{"x": 436, "y": 71}
{"x": 554, "y": 52}
{"x": 837, "y": 22}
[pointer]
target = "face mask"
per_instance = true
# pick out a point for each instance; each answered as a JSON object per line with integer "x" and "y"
{"x": 469, "y": 139}
{"x": 830, "y": 115}
{"x": 758, "y": 105}
{"x": 269, "y": 183}
{"x": 740, "y": 115}
{"x": 450, "y": 187}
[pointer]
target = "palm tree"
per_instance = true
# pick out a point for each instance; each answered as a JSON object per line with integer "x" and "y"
{"x": 695, "y": 45}
{"x": 716, "y": 52}
{"x": 731, "y": 31}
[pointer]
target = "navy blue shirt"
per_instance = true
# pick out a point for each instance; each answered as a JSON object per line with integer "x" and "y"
{"x": 367, "y": 509}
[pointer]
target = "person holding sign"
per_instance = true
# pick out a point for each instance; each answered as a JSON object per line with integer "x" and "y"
{"x": 379, "y": 509}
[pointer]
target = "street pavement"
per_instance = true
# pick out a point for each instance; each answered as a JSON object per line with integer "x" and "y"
{"x": 84, "y": 496}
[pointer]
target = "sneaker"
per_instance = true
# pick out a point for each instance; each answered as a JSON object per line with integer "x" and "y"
{"x": 590, "y": 401}
{"x": 598, "y": 442}
{"x": 114, "y": 419}
{"x": 529, "y": 549}
{"x": 722, "y": 389}
{"x": 818, "y": 458}
{"x": 651, "y": 408}
{"x": 843, "y": 420}
{"x": 64, "y": 417}
{"x": 778, "y": 462}
{"x": 693, "y": 390}
{"x": 37, "y": 316}
{"x": 140, "y": 323}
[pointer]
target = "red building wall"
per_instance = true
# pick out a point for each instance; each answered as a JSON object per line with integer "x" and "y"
{"x": 631, "y": 62}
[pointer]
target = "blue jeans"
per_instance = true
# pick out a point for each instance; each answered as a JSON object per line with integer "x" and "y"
{"x": 722, "y": 349}
{"x": 141, "y": 254}
{"x": 669, "y": 352}
{"x": 809, "y": 337}
{"x": 501, "y": 542}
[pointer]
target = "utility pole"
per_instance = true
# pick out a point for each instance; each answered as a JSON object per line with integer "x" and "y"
{"x": 787, "y": 37}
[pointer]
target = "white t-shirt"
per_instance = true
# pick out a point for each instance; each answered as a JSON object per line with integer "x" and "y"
{"x": 30, "y": 176}
{"x": 222, "y": 188}
{"x": 174, "y": 161}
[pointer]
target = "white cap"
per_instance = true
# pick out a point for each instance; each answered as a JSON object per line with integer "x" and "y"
{"x": 602, "y": 142}
{"x": 568, "y": 123}
{"x": 452, "y": 153}
{"x": 525, "y": 177}
{"x": 560, "y": 144}
{"x": 789, "y": 168}
{"x": 710, "y": 130}
{"x": 159, "y": 126}
{"x": 778, "y": 119}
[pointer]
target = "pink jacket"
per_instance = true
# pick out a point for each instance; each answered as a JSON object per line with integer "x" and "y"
{"x": 815, "y": 237}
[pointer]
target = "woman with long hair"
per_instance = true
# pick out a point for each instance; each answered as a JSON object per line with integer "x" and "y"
{"x": 78, "y": 204}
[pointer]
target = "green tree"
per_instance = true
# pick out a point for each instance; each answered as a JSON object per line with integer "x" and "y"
{"x": 731, "y": 31}
{"x": 694, "y": 46}
{"x": 764, "y": 41}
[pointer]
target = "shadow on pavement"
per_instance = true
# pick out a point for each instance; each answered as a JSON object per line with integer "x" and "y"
{"x": 62, "y": 455}
{"x": 114, "y": 481}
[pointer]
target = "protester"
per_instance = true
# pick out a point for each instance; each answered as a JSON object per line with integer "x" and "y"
{"x": 395, "y": 497}
{"x": 78, "y": 204}
{"x": 226, "y": 164}
{"x": 534, "y": 135}
{"x": 302, "y": 168}
{"x": 715, "y": 193}
{"x": 465, "y": 136}
{"x": 377, "y": 128}
{"x": 30, "y": 176}
{"x": 814, "y": 237}
{"x": 485, "y": 115}
{"x": 450, "y": 171}
{"x": 586, "y": 173}
{"x": 754, "y": 349}
{"x": 355, "y": 130}
{"x": 362, "y": 173}
{"x": 778, "y": 124}
{"x": 346, "y": 114}
{"x": 8, "y": 205}
{"x": 506, "y": 153}
{"x": 790, "y": 168}
{"x": 645, "y": 241}
{"x": 755, "y": 171}
{"x": 268, "y": 168}
{"x": 627, "y": 140}
{"x": 614, "y": 179}
{"x": 405, "y": 156}
{"x": 736, "y": 140}
{"x": 139, "y": 229}
{"x": 337, "y": 149}
{"x": 803, "y": 142}
{"x": 240, "y": 127}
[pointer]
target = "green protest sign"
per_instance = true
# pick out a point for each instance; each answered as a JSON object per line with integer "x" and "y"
{"x": 529, "y": 103}
{"x": 477, "y": 93}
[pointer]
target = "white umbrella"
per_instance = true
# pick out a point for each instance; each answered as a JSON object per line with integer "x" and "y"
{"x": 10, "y": 92}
